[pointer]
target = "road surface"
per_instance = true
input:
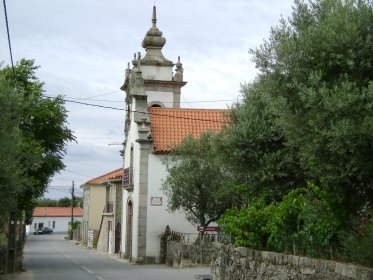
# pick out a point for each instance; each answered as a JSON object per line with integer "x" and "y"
{"x": 50, "y": 257}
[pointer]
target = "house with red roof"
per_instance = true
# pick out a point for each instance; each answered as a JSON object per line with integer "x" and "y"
{"x": 154, "y": 123}
{"x": 102, "y": 216}
{"x": 56, "y": 218}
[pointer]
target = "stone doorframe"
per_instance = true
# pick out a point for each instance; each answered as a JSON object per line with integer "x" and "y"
{"x": 129, "y": 230}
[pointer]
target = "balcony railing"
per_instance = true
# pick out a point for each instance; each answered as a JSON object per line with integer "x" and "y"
{"x": 109, "y": 207}
{"x": 128, "y": 179}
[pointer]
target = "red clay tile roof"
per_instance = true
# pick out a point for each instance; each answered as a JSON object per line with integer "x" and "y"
{"x": 56, "y": 212}
{"x": 169, "y": 126}
{"x": 113, "y": 175}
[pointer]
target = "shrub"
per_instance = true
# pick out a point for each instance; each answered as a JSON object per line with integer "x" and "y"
{"x": 358, "y": 242}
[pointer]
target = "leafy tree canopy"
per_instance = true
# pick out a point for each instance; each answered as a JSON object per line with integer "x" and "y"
{"x": 43, "y": 133}
{"x": 196, "y": 183}
{"x": 62, "y": 202}
{"x": 308, "y": 116}
{"x": 11, "y": 169}
{"x": 307, "y": 119}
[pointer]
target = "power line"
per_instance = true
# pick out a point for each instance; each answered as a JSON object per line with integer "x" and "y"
{"x": 89, "y": 104}
{"x": 77, "y": 173}
{"x": 170, "y": 102}
{"x": 121, "y": 109}
{"x": 8, "y": 32}
{"x": 107, "y": 93}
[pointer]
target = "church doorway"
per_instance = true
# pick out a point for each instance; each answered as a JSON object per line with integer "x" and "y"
{"x": 128, "y": 252}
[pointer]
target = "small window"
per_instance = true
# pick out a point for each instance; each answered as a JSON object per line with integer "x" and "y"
{"x": 54, "y": 224}
{"x": 35, "y": 226}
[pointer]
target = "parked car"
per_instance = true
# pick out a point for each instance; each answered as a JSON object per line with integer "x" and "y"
{"x": 43, "y": 230}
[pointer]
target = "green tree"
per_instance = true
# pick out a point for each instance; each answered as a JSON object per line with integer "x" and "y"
{"x": 308, "y": 116}
{"x": 196, "y": 183}
{"x": 320, "y": 62}
{"x": 249, "y": 226}
{"x": 46, "y": 202}
{"x": 78, "y": 201}
{"x": 254, "y": 149}
{"x": 357, "y": 241}
{"x": 43, "y": 131}
{"x": 301, "y": 223}
{"x": 11, "y": 170}
{"x": 64, "y": 202}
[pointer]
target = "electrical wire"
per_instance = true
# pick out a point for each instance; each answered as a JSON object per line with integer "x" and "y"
{"x": 170, "y": 102}
{"x": 134, "y": 111}
{"x": 93, "y": 105}
{"x": 107, "y": 93}
{"x": 77, "y": 173}
{"x": 8, "y": 32}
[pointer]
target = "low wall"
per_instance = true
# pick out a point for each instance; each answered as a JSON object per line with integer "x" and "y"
{"x": 244, "y": 263}
{"x": 181, "y": 255}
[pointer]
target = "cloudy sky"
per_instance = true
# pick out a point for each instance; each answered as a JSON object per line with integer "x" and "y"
{"x": 83, "y": 47}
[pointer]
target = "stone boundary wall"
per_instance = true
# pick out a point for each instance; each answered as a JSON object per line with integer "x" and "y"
{"x": 244, "y": 264}
{"x": 180, "y": 255}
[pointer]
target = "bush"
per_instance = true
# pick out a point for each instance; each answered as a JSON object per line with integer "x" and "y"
{"x": 358, "y": 242}
{"x": 302, "y": 223}
{"x": 248, "y": 226}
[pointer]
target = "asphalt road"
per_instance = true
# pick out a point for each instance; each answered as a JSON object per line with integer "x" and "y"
{"x": 51, "y": 257}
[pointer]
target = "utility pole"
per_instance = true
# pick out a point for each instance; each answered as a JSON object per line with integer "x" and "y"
{"x": 72, "y": 212}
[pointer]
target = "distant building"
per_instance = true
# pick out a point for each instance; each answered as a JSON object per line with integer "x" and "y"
{"x": 102, "y": 204}
{"x": 154, "y": 123}
{"x": 56, "y": 218}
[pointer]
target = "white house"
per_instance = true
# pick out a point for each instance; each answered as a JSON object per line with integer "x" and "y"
{"x": 56, "y": 218}
{"x": 154, "y": 122}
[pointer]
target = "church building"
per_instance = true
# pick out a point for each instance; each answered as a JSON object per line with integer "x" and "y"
{"x": 154, "y": 123}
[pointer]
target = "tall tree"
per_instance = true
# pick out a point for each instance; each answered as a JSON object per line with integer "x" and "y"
{"x": 43, "y": 129}
{"x": 64, "y": 202}
{"x": 11, "y": 170}
{"x": 313, "y": 104}
{"x": 196, "y": 183}
{"x": 46, "y": 202}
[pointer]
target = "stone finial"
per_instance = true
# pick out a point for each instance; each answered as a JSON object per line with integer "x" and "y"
{"x": 128, "y": 70}
{"x": 153, "y": 37}
{"x": 138, "y": 61}
{"x": 179, "y": 65}
{"x": 179, "y": 71}
{"x": 134, "y": 60}
{"x": 154, "y": 17}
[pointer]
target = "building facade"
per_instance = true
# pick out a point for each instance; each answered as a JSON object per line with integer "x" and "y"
{"x": 154, "y": 123}
{"x": 56, "y": 218}
{"x": 102, "y": 203}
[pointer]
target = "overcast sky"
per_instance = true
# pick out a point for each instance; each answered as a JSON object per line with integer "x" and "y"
{"x": 83, "y": 47}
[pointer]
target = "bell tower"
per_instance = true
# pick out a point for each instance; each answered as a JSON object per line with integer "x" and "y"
{"x": 151, "y": 81}
{"x": 161, "y": 86}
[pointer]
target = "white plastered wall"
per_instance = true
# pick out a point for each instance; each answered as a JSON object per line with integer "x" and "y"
{"x": 158, "y": 217}
{"x": 134, "y": 196}
{"x": 166, "y": 98}
{"x": 61, "y": 223}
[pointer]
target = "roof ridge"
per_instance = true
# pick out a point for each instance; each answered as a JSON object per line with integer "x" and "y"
{"x": 184, "y": 109}
{"x": 105, "y": 176}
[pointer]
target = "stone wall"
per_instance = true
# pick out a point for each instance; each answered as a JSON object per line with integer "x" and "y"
{"x": 181, "y": 255}
{"x": 244, "y": 263}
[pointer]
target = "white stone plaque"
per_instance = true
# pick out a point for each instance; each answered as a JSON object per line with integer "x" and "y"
{"x": 156, "y": 201}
